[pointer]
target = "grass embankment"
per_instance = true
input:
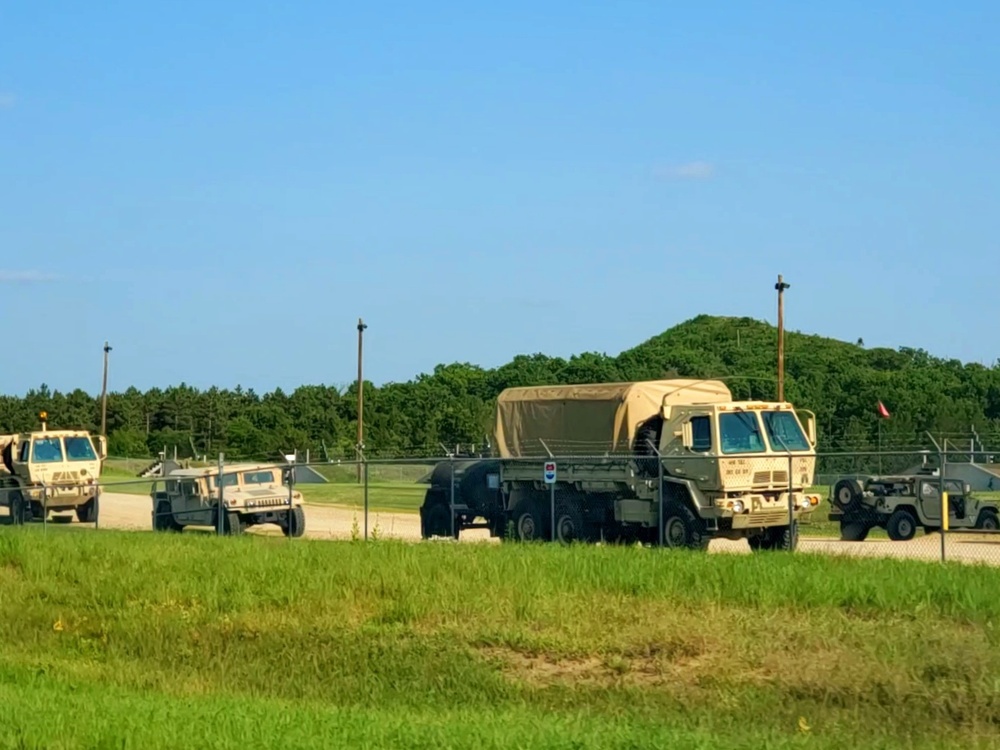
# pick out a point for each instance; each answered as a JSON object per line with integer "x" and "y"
{"x": 147, "y": 641}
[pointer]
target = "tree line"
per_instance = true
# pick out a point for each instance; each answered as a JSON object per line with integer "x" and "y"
{"x": 841, "y": 382}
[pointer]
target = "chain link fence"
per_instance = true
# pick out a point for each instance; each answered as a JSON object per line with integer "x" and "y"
{"x": 938, "y": 504}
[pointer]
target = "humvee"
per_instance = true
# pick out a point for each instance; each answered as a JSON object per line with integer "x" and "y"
{"x": 45, "y": 471}
{"x": 252, "y": 494}
{"x": 902, "y": 503}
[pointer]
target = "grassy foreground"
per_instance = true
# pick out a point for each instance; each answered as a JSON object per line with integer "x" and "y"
{"x": 142, "y": 641}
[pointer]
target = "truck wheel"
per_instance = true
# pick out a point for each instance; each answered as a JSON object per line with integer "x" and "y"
{"x": 87, "y": 513}
{"x": 569, "y": 521}
{"x": 682, "y": 528}
{"x": 18, "y": 509}
{"x": 853, "y": 531}
{"x": 901, "y": 526}
{"x": 529, "y": 526}
{"x": 988, "y": 520}
{"x": 295, "y": 522}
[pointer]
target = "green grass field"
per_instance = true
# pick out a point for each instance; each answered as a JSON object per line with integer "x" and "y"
{"x": 119, "y": 640}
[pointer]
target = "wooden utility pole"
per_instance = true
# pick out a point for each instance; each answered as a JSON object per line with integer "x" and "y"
{"x": 104, "y": 393}
{"x": 781, "y": 286}
{"x": 361, "y": 396}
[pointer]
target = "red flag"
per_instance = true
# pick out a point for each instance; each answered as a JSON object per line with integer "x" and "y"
{"x": 882, "y": 410}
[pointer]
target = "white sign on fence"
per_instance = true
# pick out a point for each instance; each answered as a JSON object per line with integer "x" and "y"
{"x": 550, "y": 472}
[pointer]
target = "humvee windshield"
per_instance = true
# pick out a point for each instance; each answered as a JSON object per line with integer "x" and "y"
{"x": 783, "y": 431}
{"x": 258, "y": 477}
{"x": 228, "y": 480}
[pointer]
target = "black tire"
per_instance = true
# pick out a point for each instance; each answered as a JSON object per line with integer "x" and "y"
{"x": 38, "y": 513}
{"x": 854, "y": 531}
{"x": 901, "y": 526}
{"x": 682, "y": 528}
{"x": 847, "y": 494}
{"x": 569, "y": 521}
{"x": 18, "y": 509}
{"x": 295, "y": 523}
{"x": 87, "y": 513}
{"x": 530, "y": 525}
{"x": 163, "y": 518}
{"x": 232, "y": 524}
{"x": 776, "y": 538}
{"x": 988, "y": 520}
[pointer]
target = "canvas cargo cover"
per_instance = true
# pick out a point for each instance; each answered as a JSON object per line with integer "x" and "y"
{"x": 589, "y": 419}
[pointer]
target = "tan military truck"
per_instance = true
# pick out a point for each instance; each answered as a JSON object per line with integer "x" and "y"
{"x": 728, "y": 468}
{"x": 45, "y": 471}
{"x": 252, "y": 494}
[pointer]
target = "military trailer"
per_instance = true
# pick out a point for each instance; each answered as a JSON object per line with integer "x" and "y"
{"x": 45, "y": 471}
{"x": 252, "y": 494}
{"x": 727, "y": 467}
{"x": 902, "y": 503}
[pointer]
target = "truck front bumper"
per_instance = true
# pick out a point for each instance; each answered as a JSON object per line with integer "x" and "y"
{"x": 756, "y": 511}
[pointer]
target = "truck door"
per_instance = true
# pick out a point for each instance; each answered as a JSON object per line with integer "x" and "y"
{"x": 193, "y": 504}
{"x": 930, "y": 500}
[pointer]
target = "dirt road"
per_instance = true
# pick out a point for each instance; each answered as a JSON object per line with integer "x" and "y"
{"x": 132, "y": 512}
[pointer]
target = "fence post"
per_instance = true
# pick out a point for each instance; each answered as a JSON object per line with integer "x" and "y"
{"x": 45, "y": 505}
{"x": 792, "y": 530}
{"x": 97, "y": 507}
{"x": 659, "y": 503}
{"x": 222, "y": 463}
{"x": 451, "y": 497}
{"x": 364, "y": 467}
{"x": 943, "y": 463}
{"x": 291, "y": 481}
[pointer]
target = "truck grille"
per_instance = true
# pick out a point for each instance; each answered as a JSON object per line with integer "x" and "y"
{"x": 769, "y": 478}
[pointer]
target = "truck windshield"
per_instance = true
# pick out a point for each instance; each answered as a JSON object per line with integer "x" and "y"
{"x": 783, "y": 431}
{"x": 740, "y": 433}
{"x": 79, "y": 449}
{"x": 46, "y": 450}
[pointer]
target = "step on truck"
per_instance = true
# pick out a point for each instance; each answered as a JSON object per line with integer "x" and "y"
{"x": 51, "y": 471}
{"x": 728, "y": 469}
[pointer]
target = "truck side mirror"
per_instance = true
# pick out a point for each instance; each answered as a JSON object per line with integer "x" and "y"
{"x": 811, "y": 429}
{"x": 102, "y": 447}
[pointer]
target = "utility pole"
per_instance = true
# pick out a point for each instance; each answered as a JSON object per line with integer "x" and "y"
{"x": 781, "y": 286}
{"x": 104, "y": 393}
{"x": 361, "y": 396}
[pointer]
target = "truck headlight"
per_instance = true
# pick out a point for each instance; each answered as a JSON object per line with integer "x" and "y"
{"x": 738, "y": 506}
{"x": 804, "y": 503}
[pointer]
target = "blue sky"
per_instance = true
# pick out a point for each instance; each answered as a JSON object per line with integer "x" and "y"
{"x": 222, "y": 189}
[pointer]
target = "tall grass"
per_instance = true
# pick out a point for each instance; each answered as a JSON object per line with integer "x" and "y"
{"x": 118, "y": 639}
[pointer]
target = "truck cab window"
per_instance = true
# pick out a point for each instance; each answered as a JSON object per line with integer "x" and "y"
{"x": 701, "y": 434}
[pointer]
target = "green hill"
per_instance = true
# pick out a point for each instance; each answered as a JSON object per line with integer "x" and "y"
{"x": 840, "y": 381}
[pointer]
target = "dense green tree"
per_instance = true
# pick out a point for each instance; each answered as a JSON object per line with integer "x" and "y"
{"x": 841, "y": 382}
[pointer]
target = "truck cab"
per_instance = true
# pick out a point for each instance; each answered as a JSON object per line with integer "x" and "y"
{"x": 45, "y": 471}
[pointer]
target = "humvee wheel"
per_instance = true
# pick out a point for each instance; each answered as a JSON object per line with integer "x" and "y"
{"x": 988, "y": 520}
{"x": 163, "y": 518}
{"x": 853, "y": 531}
{"x": 232, "y": 524}
{"x": 847, "y": 494}
{"x": 295, "y": 522}
{"x": 901, "y": 526}
{"x": 18, "y": 509}
{"x": 87, "y": 513}
{"x": 682, "y": 528}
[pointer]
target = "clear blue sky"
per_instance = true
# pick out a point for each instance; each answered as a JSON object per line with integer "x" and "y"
{"x": 222, "y": 189}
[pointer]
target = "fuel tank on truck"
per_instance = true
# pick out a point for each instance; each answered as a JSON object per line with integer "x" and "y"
{"x": 473, "y": 485}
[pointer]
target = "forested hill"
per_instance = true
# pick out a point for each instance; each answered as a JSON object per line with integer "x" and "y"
{"x": 841, "y": 382}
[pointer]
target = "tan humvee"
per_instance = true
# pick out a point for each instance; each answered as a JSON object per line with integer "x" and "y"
{"x": 47, "y": 470}
{"x": 252, "y": 494}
